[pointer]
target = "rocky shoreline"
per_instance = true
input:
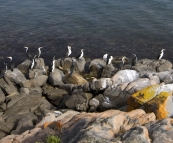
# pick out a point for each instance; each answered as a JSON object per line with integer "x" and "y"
{"x": 84, "y": 101}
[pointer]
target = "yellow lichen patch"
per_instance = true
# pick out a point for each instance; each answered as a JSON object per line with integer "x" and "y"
{"x": 143, "y": 96}
{"x": 158, "y": 105}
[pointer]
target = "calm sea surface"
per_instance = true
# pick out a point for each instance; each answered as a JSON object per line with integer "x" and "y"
{"x": 116, "y": 27}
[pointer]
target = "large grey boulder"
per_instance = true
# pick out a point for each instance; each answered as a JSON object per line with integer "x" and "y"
{"x": 56, "y": 77}
{"x": 16, "y": 76}
{"x": 24, "y": 66}
{"x": 7, "y": 86}
{"x": 125, "y": 76}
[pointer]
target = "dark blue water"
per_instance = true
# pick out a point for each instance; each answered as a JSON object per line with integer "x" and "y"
{"x": 118, "y": 27}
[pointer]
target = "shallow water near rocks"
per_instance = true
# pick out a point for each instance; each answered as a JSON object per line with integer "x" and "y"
{"x": 113, "y": 27}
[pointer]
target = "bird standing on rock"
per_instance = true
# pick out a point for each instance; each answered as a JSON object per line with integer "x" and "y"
{"x": 27, "y": 54}
{"x": 39, "y": 51}
{"x": 105, "y": 57}
{"x": 33, "y": 61}
{"x": 68, "y": 52}
{"x": 161, "y": 54}
{"x": 110, "y": 60}
{"x": 12, "y": 63}
{"x": 123, "y": 60}
{"x": 81, "y": 55}
{"x": 53, "y": 64}
{"x": 134, "y": 60}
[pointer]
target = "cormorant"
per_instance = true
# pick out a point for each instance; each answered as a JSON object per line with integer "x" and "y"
{"x": 68, "y": 52}
{"x": 12, "y": 63}
{"x": 105, "y": 57}
{"x": 134, "y": 60}
{"x": 53, "y": 64}
{"x": 33, "y": 61}
{"x": 110, "y": 60}
{"x": 123, "y": 60}
{"x": 27, "y": 54}
{"x": 161, "y": 54}
{"x": 81, "y": 55}
{"x": 39, "y": 51}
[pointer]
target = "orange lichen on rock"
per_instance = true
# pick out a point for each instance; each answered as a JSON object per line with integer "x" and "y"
{"x": 159, "y": 105}
{"x": 141, "y": 97}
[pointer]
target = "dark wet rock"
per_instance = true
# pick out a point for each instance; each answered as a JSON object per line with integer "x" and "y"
{"x": 137, "y": 134}
{"x": 7, "y": 87}
{"x": 108, "y": 71}
{"x": 2, "y": 97}
{"x": 56, "y": 77}
{"x": 54, "y": 95}
{"x": 25, "y": 66}
{"x": 16, "y": 76}
{"x": 35, "y": 82}
{"x": 96, "y": 67}
{"x": 27, "y": 122}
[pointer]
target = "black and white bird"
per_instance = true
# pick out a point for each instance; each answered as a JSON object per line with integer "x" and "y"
{"x": 12, "y": 63}
{"x": 161, "y": 54}
{"x": 134, "y": 60}
{"x": 80, "y": 55}
{"x": 123, "y": 60}
{"x": 68, "y": 52}
{"x": 28, "y": 54}
{"x": 39, "y": 51}
{"x": 53, "y": 64}
{"x": 110, "y": 60}
{"x": 105, "y": 57}
{"x": 33, "y": 62}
